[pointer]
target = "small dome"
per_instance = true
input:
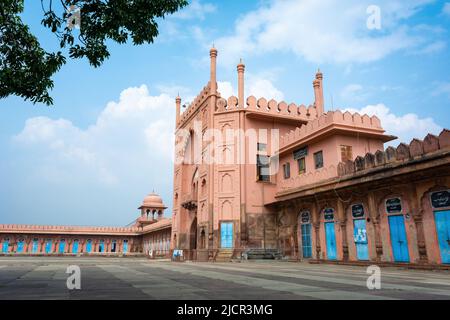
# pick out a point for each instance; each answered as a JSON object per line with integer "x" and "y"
{"x": 153, "y": 200}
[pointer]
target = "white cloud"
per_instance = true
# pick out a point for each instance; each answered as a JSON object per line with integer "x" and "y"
{"x": 128, "y": 136}
{"x": 446, "y": 9}
{"x": 258, "y": 86}
{"x": 405, "y": 127}
{"x": 353, "y": 92}
{"x": 432, "y": 48}
{"x": 442, "y": 88}
{"x": 195, "y": 10}
{"x": 324, "y": 31}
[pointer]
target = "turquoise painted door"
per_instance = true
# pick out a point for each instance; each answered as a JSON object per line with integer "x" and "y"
{"x": 399, "y": 241}
{"x": 89, "y": 246}
{"x": 125, "y": 246}
{"x": 75, "y": 247}
{"x": 360, "y": 238}
{"x": 5, "y": 246}
{"x": 35, "y": 247}
{"x": 442, "y": 220}
{"x": 48, "y": 246}
{"x": 226, "y": 234}
{"x": 331, "y": 240}
{"x": 62, "y": 246}
{"x": 101, "y": 246}
{"x": 306, "y": 240}
{"x": 20, "y": 246}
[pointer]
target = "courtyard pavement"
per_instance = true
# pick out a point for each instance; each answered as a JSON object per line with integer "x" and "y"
{"x": 139, "y": 278}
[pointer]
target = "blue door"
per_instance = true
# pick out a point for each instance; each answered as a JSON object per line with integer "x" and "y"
{"x": 125, "y": 246}
{"x": 442, "y": 219}
{"x": 5, "y": 246}
{"x": 399, "y": 241}
{"x": 20, "y": 246}
{"x": 306, "y": 240}
{"x": 89, "y": 246}
{"x": 62, "y": 246}
{"x": 75, "y": 246}
{"x": 331, "y": 240}
{"x": 360, "y": 237}
{"x": 35, "y": 246}
{"x": 101, "y": 246}
{"x": 48, "y": 246}
{"x": 226, "y": 234}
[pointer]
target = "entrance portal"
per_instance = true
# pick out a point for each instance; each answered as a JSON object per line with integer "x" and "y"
{"x": 399, "y": 241}
{"x": 442, "y": 220}
{"x": 360, "y": 237}
{"x": 226, "y": 235}
{"x": 331, "y": 240}
{"x": 193, "y": 235}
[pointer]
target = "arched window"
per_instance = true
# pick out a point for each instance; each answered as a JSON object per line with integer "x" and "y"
{"x": 5, "y": 245}
{"x": 62, "y": 246}
{"x": 20, "y": 244}
{"x": 75, "y": 246}
{"x": 101, "y": 246}
{"x": 48, "y": 246}
{"x": 89, "y": 246}
{"x": 35, "y": 247}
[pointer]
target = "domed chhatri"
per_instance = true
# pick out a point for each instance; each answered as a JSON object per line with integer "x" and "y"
{"x": 153, "y": 200}
{"x": 151, "y": 206}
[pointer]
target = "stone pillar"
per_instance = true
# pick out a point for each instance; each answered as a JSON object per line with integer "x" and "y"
{"x": 315, "y": 216}
{"x": 241, "y": 69}
{"x": 213, "y": 79}
{"x": 178, "y": 107}
{"x": 318, "y": 93}
{"x": 423, "y": 256}
{"x": 417, "y": 215}
{"x": 373, "y": 211}
{"x": 27, "y": 245}
{"x": 343, "y": 224}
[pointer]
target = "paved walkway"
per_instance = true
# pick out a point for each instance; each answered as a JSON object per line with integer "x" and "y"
{"x": 136, "y": 278}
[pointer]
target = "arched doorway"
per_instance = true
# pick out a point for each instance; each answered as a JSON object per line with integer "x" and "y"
{"x": 193, "y": 235}
{"x": 304, "y": 221}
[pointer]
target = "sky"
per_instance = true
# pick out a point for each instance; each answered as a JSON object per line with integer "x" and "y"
{"x": 107, "y": 141}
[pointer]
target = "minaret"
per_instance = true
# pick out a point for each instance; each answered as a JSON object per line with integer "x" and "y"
{"x": 318, "y": 93}
{"x": 178, "y": 106}
{"x": 241, "y": 69}
{"x": 213, "y": 78}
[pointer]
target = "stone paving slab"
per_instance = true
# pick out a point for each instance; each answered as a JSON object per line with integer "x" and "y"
{"x": 139, "y": 278}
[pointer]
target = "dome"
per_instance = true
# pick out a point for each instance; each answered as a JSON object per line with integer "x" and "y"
{"x": 153, "y": 200}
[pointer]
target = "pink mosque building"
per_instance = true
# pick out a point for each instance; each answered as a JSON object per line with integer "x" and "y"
{"x": 257, "y": 178}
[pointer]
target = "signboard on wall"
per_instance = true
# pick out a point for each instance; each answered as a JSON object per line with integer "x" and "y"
{"x": 394, "y": 205}
{"x": 300, "y": 153}
{"x": 357, "y": 210}
{"x": 305, "y": 216}
{"x": 328, "y": 214}
{"x": 440, "y": 199}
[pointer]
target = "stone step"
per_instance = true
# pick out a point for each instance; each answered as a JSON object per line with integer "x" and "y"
{"x": 261, "y": 253}
{"x": 224, "y": 255}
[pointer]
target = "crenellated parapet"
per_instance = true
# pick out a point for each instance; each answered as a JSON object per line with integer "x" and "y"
{"x": 416, "y": 149}
{"x": 346, "y": 120}
{"x": 271, "y": 108}
{"x": 195, "y": 105}
{"x": 21, "y": 228}
{"x": 306, "y": 179}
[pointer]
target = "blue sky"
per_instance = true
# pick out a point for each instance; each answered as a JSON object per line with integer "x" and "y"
{"x": 92, "y": 157}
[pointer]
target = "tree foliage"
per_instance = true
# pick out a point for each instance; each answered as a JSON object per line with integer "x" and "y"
{"x": 82, "y": 28}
